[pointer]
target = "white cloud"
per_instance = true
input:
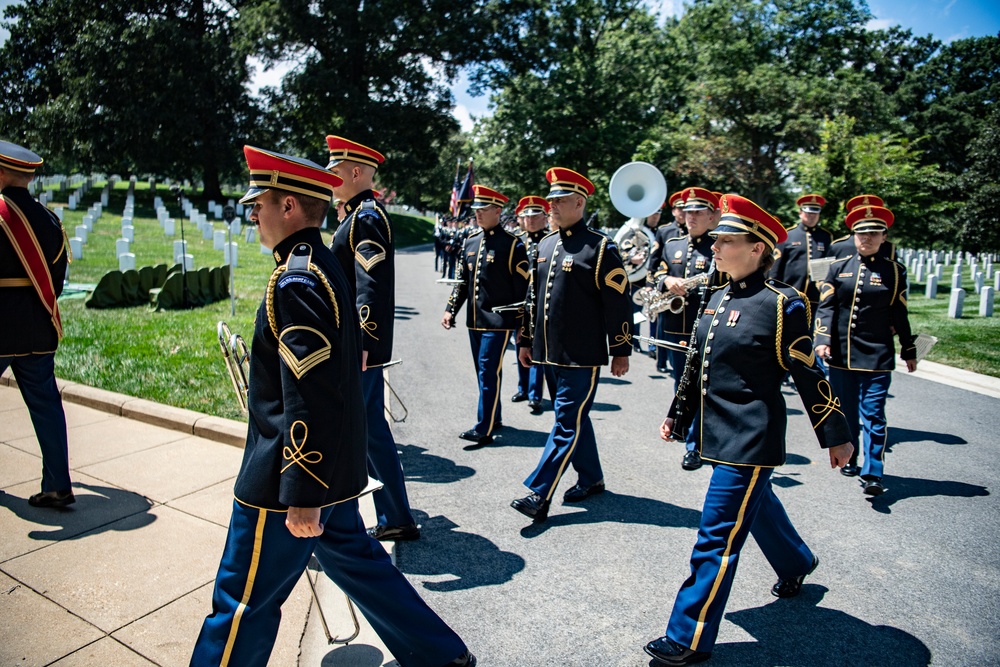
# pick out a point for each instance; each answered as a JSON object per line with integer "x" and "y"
{"x": 464, "y": 118}
{"x": 880, "y": 24}
{"x": 272, "y": 76}
{"x": 947, "y": 8}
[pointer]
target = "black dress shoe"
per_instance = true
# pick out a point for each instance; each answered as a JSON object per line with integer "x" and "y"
{"x": 692, "y": 460}
{"x": 668, "y": 652}
{"x": 580, "y": 492}
{"x": 389, "y": 533}
{"x": 850, "y": 470}
{"x": 464, "y": 660}
{"x": 52, "y": 499}
{"x": 661, "y": 369}
{"x": 472, "y": 435}
{"x": 532, "y": 506}
{"x": 789, "y": 588}
{"x": 874, "y": 486}
{"x": 536, "y": 407}
{"x": 518, "y": 397}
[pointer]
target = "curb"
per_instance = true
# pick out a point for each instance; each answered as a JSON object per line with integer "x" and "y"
{"x": 225, "y": 431}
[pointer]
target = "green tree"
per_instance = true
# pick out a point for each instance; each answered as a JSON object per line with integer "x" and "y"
{"x": 376, "y": 72}
{"x": 948, "y": 99}
{"x": 138, "y": 86}
{"x": 978, "y": 220}
{"x": 592, "y": 77}
{"x": 886, "y": 165}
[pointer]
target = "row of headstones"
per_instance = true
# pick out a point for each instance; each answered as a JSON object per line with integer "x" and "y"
{"x": 957, "y": 302}
{"x": 219, "y": 237}
{"x": 927, "y": 266}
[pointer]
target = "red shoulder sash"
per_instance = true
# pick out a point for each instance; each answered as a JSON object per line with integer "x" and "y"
{"x": 22, "y": 237}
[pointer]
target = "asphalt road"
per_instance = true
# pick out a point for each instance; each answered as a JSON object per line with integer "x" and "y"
{"x": 910, "y": 578}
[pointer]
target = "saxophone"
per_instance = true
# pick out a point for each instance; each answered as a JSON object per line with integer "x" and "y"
{"x": 654, "y": 302}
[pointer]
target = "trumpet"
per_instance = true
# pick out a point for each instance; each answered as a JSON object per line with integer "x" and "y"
{"x": 654, "y": 302}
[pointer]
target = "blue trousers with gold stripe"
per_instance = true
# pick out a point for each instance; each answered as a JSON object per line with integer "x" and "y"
{"x": 261, "y": 564}
{"x": 530, "y": 381}
{"x": 487, "y": 351}
{"x": 572, "y": 439}
{"x": 862, "y": 395}
{"x": 739, "y": 502}
{"x": 392, "y": 506}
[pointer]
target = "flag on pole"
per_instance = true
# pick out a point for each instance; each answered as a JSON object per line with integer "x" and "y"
{"x": 453, "y": 204}
{"x": 465, "y": 194}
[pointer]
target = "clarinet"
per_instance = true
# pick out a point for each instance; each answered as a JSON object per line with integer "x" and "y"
{"x": 682, "y": 409}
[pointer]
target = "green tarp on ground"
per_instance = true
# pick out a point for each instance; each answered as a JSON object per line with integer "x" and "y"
{"x": 160, "y": 287}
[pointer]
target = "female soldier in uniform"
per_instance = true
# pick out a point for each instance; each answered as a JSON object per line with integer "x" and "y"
{"x": 752, "y": 331}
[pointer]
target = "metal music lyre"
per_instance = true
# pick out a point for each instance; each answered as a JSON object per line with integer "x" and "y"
{"x": 819, "y": 267}
{"x": 388, "y": 406}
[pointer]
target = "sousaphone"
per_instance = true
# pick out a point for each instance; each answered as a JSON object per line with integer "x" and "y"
{"x": 637, "y": 190}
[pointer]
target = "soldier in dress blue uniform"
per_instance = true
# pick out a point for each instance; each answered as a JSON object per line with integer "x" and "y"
{"x": 677, "y": 227}
{"x": 494, "y": 270}
{"x": 863, "y": 305}
{"x": 806, "y": 241}
{"x": 365, "y": 247}
{"x": 32, "y": 270}
{"x": 580, "y": 314}
{"x": 751, "y": 332}
{"x": 305, "y": 462}
{"x": 844, "y": 246}
{"x": 531, "y": 211}
{"x": 684, "y": 258}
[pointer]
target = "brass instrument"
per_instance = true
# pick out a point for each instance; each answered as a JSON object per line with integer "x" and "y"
{"x": 654, "y": 302}
{"x": 237, "y": 356}
{"x": 637, "y": 190}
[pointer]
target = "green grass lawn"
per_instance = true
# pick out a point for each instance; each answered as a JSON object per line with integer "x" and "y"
{"x": 170, "y": 357}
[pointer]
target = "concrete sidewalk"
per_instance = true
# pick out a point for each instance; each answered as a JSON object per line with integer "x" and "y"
{"x": 124, "y": 576}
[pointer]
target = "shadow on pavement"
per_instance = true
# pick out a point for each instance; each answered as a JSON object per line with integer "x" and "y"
{"x": 799, "y": 633}
{"x": 442, "y": 550}
{"x": 98, "y": 510}
{"x": 406, "y": 313}
{"x": 901, "y": 488}
{"x": 418, "y": 466}
{"x": 354, "y": 655}
{"x": 605, "y": 407}
{"x": 612, "y": 380}
{"x": 616, "y": 508}
{"x": 896, "y": 435}
{"x": 511, "y": 436}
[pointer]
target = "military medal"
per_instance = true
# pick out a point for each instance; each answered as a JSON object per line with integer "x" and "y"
{"x": 734, "y": 316}
{"x": 876, "y": 279}
{"x": 567, "y": 263}
{"x": 490, "y": 255}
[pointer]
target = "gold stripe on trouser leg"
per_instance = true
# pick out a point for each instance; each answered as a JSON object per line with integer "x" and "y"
{"x": 724, "y": 565}
{"x": 251, "y": 575}
{"x": 496, "y": 398}
{"x": 576, "y": 435}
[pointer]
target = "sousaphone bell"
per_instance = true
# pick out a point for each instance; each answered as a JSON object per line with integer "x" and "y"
{"x": 637, "y": 190}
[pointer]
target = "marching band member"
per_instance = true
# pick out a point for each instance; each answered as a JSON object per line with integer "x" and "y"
{"x": 677, "y": 227}
{"x": 735, "y": 398}
{"x": 806, "y": 241}
{"x": 32, "y": 269}
{"x": 579, "y": 315}
{"x": 494, "y": 270}
{"x": 531, "y": 212}
{"x": 364, "y": 245}
{"x": 863, "y": 305}
{"x": 685, "y": 257}
{"x": 844, "y": 246}
{"x": 304, "y": 464}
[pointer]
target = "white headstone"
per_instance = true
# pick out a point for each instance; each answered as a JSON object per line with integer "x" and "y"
{"x": 932, "y": 286}
{"x": 88, "y": 222}
{"x": 996, "y": 281}
{"x": 168, "y": 227}
{"x": 231, "y": 250}
{"x": 217, "y": 211}
{"x": 81, "y": 231}
{"x": 188, "y": 262}
{"x": 956, "y": 280}
{"x": 179, "y": 248}
{"x": 211, "y": 204}
{"x": 60, "y": 211}
{"x": 72, "y": 203}
{"x": 219, "y": 239}
{"x": 76, "y": 247}
{"x": 207, "y": 230}
{"x": 235, "y": 227}
{"x": 956, "y": 303}
{"x": 252, "y": 236}
{"x": 986, "y": 302}
{"x": 978, "y": 279}
{"x": 264, "y": 250}
{"x": 122, "y": 246}
{"x": 919, "y": 277}
{"x": 239, "y": 210}
{"x": 128, "y": 233}
{"x": 126, "y": 262}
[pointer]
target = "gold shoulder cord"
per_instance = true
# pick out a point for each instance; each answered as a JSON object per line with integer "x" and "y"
{"x": 781, "y": 325}
{"x": 269, "y": 296}
{"x": 388, "y": 227}
{"x": 600, "y": 257}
